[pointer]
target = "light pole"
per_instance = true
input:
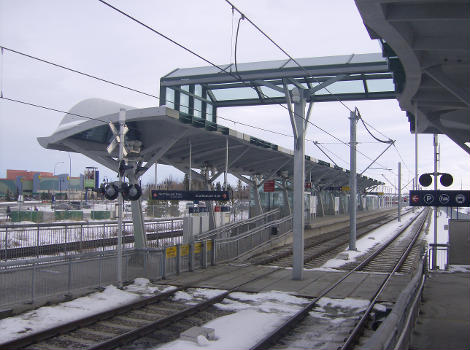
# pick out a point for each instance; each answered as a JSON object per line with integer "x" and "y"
{"x": 55, "y": 166}
{"x": 70, "y": 175}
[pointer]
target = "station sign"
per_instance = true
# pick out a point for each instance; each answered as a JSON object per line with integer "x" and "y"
{"x": 338, "y": 188}
{"x": 447, "y": 198}
{"x": 165, "y": 195}
{"x": 268, "y": 186}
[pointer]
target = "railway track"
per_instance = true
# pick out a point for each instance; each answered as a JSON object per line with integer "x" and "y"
{"x": 303, "y": 327}
{"x": 320, "y": 248}
{"x": 123, "y": 325}
{"x": 163, "y": 317}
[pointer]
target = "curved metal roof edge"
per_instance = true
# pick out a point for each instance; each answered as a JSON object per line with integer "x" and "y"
{"x": 162, "y": 112}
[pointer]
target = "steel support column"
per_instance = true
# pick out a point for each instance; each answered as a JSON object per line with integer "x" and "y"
{"x": 138, "y": 219}
{"x": 434, "y": 249}
{"x": 399, "y": 191}
{"x": 256, "y": 197}
{"x": 299, "y": 182}
{"x": 352, "y": 182}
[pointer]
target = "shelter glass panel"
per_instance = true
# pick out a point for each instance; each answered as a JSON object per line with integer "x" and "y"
{"x": 343, "y": 87}
{"x": 170, "y": 98}
{"x": 235, "y": 93}
{"x": 184, "y": 99}
{"x": 209, "y": 111}
{"x": 197, "y": 102}
{"x": 271, "y": 93}
{"x": 379, "y": 85}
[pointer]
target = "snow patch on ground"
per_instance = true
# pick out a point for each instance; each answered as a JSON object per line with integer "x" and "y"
{"x": 51, "y": 316}
{"x": 458, "y": 268}
{"x": 255, "y": 315}
{"x": 363, "y": 244}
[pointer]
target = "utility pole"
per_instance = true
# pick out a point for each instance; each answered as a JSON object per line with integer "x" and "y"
{"x": 434, "y": 250}
{"x": 399, "y": 191}
{"x": 352, "y": 181}
{"x": 122, "y": 121}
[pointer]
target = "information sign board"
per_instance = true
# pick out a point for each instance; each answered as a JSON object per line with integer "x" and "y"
{"x": 449, "y": 198}
{"x": 190, "y": 195}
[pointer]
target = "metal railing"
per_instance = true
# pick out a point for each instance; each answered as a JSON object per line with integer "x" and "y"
{"x": 40, "y": 240}
{"x": 32, "y": 280}
{"x": 441, "y": 253}
{"x": 232, "y": 247}
{"x": 239, "y": 227}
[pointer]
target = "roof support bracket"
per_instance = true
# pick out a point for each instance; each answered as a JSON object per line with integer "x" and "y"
{"x": 439, "y": 76}
{"x": 160, "y": 153}
{"x": 325, "y": 84}
{"x": 289, "y": 108}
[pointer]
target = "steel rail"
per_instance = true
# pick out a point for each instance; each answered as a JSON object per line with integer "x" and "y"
{"x": 354, "y": 335}
{"x": 301, "y": 314}
{"x": 329, "y": 236}
{"x": 131, "y": 335}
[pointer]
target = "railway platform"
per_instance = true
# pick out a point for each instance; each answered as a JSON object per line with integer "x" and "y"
{"x": 444, "y": 318}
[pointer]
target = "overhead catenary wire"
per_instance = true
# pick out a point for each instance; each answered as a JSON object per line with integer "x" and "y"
{"x": 77, "y": 71}
{"x": 194, "y": 53}
{"x": 284, "y": 51}
{"x": 225, "y": 70}
{"x": 244, "y": 16}
{"x": 51, "y": 109}
{"x": 185, "y": 48}
{"x": 108, "y": 82}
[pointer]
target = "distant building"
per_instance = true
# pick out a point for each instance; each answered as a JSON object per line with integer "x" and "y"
{"x": 34, "y": 183}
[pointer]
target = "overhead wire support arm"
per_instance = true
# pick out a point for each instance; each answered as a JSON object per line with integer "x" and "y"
{"x": 385, "y": 150}
{"x": 322, "y": 151}
{"x": 291, "y": 112}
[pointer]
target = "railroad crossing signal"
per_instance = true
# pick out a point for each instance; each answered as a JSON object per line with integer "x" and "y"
{"x": 445, "y": 179}
{"x": 117, "y": 139}
{"x": 130, "y": 192}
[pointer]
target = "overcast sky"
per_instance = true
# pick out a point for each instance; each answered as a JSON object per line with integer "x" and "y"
{"x": 88, "y": 36}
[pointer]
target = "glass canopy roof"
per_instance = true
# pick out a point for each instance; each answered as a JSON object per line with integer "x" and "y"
{"x": 200, "y": 91}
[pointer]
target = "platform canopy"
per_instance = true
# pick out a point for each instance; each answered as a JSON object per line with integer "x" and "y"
{"x": 166, "y": 134}
{"x": 427, "y": 43}
{"x": 200, "y": 91}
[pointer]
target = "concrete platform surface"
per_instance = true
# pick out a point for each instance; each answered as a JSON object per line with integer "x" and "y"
{"x": 444, "y": 320}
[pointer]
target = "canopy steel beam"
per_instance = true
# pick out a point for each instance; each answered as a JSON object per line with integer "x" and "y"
{"x": 298, "y": 98}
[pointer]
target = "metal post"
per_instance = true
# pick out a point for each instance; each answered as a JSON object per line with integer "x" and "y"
{"x": 226, "y": 163}
{"x": 352, "y": 182}
{"x": 434, "y": 249}
{"x": 299, "y": 183}
{"x": 178, "y": 259}
{"x": 285, "y": 194}
{"x": 156, "y": 177}
{"x": 416, "y": 148}
{"x": 122, "y": 119}
{"x": 190, "y": 165}
{"x": 399, "y": 191}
